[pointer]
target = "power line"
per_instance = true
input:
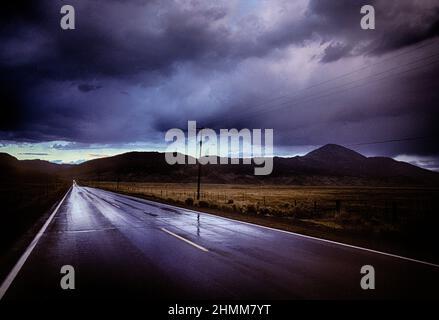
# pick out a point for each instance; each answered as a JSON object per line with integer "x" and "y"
{"x": 387, "y": 141}
{"x": 364, "y": 67}
{"x": 343, "y": 88}
{"x": 343, "y": 85}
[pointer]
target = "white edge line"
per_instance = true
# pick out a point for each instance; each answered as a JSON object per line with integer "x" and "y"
{"x": 329, "y": 241}
{"x": 185, "y": 240}
{"x": 299, "y": 235}
{"x": 115, "y": 205}
{"x": 13, "y": 273}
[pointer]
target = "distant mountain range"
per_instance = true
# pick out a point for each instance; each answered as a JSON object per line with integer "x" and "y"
{"x": 329, "y": 165}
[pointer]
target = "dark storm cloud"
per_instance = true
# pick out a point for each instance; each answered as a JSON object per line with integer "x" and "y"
{"x": 105, "y": 44}
{"x": 133, "y": 69}
{"x": 85, "y": 87}
{"x": 398, "y": 24}
{"x": 112, "y": 38}
{"x": 71, "y": 146}
{"x": 335, "y": 51}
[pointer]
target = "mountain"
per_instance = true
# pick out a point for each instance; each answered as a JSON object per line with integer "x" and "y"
{"x": 329, "y": 165}
{"x": 334, "y": 161}
{"x": 334, "y": 153}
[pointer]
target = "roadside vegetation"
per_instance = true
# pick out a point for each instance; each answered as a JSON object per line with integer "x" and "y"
{"x": 24, "y": 204}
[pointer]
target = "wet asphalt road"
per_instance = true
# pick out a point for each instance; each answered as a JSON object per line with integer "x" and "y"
{"x": 128, "y": 248}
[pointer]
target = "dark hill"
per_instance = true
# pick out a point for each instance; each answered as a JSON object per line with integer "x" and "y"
{"x": 329, "y": 165}
{"x": 14, "y": 170}
{"x": 334, "y": 153}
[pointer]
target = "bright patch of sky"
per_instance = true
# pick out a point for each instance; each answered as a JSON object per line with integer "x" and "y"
{"x": 70, "y": 153}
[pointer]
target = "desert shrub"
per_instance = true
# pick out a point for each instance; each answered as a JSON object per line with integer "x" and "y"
{"x": 278, "y": 213}
{"x": 189, "y": 202}
{"x": 203, "y": 204}
{"x": 343, "y": 217}
{"x": 346, "y": 218}
{"x": 300, "y": 212}
{"x": 230, "y": 201}
{"x": 250, "y": 209}
{"x": 264, "y": 211}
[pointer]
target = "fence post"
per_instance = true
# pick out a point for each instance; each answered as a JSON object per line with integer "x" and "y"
{"x": 394, "y": 211}
{"x": 337, "y": 206}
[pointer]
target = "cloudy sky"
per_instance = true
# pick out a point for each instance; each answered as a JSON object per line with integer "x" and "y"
{"x": 133, "y": 69}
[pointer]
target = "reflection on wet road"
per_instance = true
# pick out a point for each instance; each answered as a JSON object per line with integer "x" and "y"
{"x": 125, "y": 247}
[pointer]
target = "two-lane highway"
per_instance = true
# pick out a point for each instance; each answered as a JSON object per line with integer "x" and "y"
{"x": 124, "y": 247}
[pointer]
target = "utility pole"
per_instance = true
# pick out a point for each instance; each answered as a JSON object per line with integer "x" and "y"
{"x": 199, "y": 169}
